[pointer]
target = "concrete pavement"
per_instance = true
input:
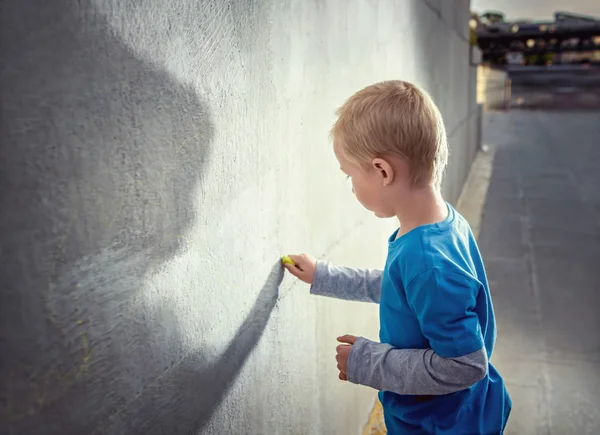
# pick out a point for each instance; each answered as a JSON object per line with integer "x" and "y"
{"x": 540, "y": 237}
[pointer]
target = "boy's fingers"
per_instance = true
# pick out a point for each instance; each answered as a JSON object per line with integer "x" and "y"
{"x": 296, "y": 272}
{"x": 291, "y": 269}
{"x": 295, "y": 258}
{"x": 343, "y": 376}
{"x": 349, "y": 339}
{"x": 298, "y": 261}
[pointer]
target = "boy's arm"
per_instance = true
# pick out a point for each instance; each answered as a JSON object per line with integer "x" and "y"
{"x": 444, "y": 304}
{"x": 362, "y": 285}
{"x": 413, "y": 371}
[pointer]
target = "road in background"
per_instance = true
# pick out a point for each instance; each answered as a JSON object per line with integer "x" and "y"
{"x": 540, "y": 237}
{"x": 555, "y": 88}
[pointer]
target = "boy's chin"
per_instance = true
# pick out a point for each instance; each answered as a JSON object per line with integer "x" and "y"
{"x": 382, "y": 215}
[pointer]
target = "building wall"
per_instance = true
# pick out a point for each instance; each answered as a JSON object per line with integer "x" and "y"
{"x": 157, "y": 159}
{"x": 493, "y": 90}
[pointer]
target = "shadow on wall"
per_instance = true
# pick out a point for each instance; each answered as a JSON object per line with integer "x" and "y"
{"x": 101, "y": 153}
{"x": 183, "y": 399}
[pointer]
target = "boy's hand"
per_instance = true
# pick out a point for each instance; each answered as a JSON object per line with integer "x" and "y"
{"x": 304, "y": 267}
{"x": 343, "y": 350}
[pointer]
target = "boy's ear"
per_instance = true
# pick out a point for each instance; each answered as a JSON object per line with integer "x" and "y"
{"x": 384, "y": 170}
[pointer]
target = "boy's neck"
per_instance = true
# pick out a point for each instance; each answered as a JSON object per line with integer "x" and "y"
{"x": 421, "y": 207}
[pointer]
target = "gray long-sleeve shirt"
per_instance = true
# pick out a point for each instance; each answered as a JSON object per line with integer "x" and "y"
{"x": 383, "y": 367}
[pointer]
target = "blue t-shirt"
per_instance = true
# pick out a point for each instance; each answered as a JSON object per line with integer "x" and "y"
{"x": 435, "y": 295}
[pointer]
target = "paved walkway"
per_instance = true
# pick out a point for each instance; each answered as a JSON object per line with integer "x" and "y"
{"x": 540, "y": 238}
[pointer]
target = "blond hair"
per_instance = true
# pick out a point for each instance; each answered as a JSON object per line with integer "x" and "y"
{"x": 394, "y": 118}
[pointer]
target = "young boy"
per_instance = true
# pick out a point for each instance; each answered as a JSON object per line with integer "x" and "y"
{"x": 437, "y": 326}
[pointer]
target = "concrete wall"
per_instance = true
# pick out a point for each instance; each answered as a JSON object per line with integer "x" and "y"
{"x": 493, "y": 90}
{"x": 157, "y": 158}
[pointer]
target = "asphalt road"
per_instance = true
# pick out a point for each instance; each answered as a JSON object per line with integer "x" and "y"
{"x": 540, "y": 237}
{"x": 556, "y": 88}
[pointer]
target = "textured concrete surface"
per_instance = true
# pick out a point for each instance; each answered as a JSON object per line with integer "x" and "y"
{"x": 540, "y": 237}
{"x": 157, "y": 158}
{"x": 474, "y": 193}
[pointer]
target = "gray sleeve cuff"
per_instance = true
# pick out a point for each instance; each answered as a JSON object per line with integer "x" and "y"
{"x": 322, "y": 284}
{"x": 360, "y": 366}
{"x": 363, "y": 285}
{"x": 413, "y": 371}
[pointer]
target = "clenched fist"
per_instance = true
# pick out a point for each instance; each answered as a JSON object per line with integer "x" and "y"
{"x": 342, "y": 354}
{"x": 304, "y": 267}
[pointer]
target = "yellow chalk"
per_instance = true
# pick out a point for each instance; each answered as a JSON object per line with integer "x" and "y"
{"x": 287, "y": 260}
